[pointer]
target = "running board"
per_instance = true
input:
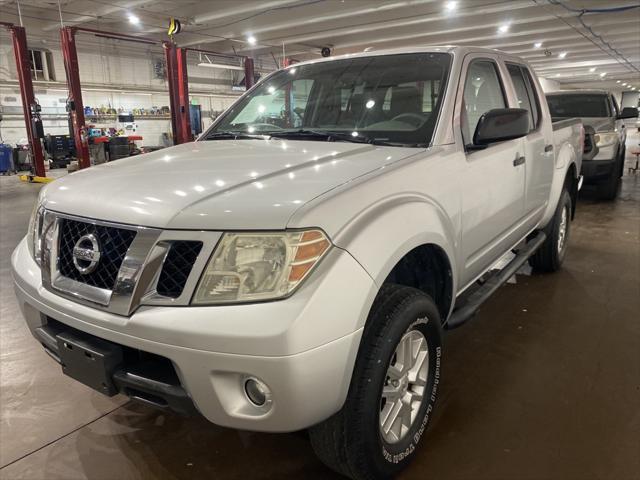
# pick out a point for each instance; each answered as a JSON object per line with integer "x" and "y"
{"x": 470, "y": 305}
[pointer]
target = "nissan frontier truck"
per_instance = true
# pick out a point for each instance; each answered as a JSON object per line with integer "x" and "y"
{"x": 295, "y": 267}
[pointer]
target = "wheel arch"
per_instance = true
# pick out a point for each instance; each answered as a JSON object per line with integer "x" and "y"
{"x": 408, "y": 240}
{"x": 426, "y": 268}
{"x": 571, "y": 181}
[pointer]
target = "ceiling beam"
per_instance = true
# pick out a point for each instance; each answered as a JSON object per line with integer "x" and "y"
{"x": 93, "y": 15}
{"x": 306, "y": 22}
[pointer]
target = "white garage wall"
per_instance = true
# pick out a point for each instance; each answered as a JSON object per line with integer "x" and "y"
{"x": 118, "y": 67}
{"x": 549, "y": 85}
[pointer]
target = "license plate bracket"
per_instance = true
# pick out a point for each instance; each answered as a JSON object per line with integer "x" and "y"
{"x": 90, "y": 360}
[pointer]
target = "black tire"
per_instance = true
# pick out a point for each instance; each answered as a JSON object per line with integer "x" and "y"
{"x": 549, "y": 258}
{"x": 351, "y": 442}
{"x": 608, "y": 190}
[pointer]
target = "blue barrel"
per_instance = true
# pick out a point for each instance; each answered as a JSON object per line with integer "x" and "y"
{"x": 6, "y": 158}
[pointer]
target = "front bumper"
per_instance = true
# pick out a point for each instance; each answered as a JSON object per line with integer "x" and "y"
{"x": 595, "y": 171}
{"x": 303, "y": 347}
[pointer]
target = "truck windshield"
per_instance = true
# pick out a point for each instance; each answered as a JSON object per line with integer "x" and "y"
{"x": 578, "y": 105}
{"x": 388, "y": 100}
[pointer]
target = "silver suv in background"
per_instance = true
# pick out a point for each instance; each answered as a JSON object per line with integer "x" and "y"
{"x": 603, "y": 162}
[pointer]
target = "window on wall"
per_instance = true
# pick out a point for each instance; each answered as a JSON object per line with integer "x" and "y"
{"x": 41, "y": 64}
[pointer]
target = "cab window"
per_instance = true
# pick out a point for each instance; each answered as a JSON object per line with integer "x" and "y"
{"x": 525, "y": 93}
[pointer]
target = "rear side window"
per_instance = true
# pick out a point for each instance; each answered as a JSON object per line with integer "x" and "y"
{"x": 482, "y": 92}
{"x": 526, "y": 94}
{"x": 521, "y": 92}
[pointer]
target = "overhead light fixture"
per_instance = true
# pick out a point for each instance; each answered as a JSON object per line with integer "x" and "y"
{"x": 592, "y": 69}
{"x": 503, "y": 28}
{"x": 251, "y": 40}
{"x": 633, "y": 88}
{"x": 450, "y": 6}
{"x": 557, "y": 74}
{"x": 537, "y": 45}
{"x": 624, "y": 84}
{"x": 133, "y": 19}
{"x": 562, "y": 54}
{"x": 603, "y": 74}
{"x": 221, "y": 66}
{"x": 617, "y": 81}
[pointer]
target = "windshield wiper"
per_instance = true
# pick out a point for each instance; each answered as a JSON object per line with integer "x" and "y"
{"x": 232, "y": 136}
{"x": 320, "y": 134}
{"x": 332, "y": 136}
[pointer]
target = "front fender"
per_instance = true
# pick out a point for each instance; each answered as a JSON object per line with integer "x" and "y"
{"x": 384, "y": 233}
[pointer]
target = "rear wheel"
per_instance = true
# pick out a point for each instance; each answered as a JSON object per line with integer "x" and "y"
{"x": 392, "y": 392}
{"x": 549, "y": 257}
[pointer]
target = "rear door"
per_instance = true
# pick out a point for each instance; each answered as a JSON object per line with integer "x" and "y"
{"x": 538, "y": 147}
{"x": 493, "y": 182}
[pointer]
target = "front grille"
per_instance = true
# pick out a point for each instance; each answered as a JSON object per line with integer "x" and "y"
{"x": 177, "y": 267}
{"x": 588, "y": 143}
{"x": 114, "y": 243}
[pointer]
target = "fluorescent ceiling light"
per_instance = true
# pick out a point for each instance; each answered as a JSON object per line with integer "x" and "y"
{"x": 592, "y": 69}
{"x": 603, "y": 74}
{"x": 451, "y": 6}
{"x": 503, "y": 28}
{"x": 537, "y": 44}
{"x": 220, "y": 65}
{"x": 251, "y": 40}
{"x": 562, "y": 54}
{"x": 133, "y": 19}
{"x": 617, "y": 81}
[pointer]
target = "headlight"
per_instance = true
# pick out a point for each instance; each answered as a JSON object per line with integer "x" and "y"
{"x": 606, "y": 139}
{"x": 249, "y": 267}
{"x": 34, "y": 235}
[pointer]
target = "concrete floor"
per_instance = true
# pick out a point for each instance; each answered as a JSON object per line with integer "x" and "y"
{"x": 543, "y": 384}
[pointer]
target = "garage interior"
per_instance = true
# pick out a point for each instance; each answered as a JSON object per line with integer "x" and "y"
{"x": 544, "y": 383}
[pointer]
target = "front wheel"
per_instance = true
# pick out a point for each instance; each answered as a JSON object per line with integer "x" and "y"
{"x": 393, "y": 389}
{"x": 550, "y": 255}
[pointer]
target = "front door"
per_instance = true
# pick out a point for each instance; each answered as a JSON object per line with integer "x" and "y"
{"x": 494, "y": 178}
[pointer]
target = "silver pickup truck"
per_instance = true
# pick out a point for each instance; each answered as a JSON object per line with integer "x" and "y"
{"x": 295, "y": 266}
{"x": 603, "y": 159}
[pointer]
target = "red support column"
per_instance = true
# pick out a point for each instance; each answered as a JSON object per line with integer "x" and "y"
{"x": 184, "y": 115}
{"x": 248, "y": 72}
{"x": 76, "y": 111}
{"x": 21, "y": 52}
{"x": 172, "y": 78}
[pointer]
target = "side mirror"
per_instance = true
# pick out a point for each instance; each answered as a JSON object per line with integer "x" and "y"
{"x": 628, "y": 112}
{"x": 501, "y": 124}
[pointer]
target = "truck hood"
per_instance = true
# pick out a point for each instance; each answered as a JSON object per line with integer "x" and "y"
{"x": 599, "y": 124}
{"x": 216, "y": 185}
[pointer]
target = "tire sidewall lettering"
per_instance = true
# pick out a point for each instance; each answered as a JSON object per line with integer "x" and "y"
{"x": 395, "y": 458}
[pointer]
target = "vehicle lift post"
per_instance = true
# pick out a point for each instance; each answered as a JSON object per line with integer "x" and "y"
{"x": 176, "y": 59}
{"x": 75, "y": 107}
{"x": 30, "y": 107}
{"x": 248, "y": 72}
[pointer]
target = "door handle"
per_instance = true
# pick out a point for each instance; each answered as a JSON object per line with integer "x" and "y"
{"x": 519, "y": 161}
{"x": 548, "y": 148}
